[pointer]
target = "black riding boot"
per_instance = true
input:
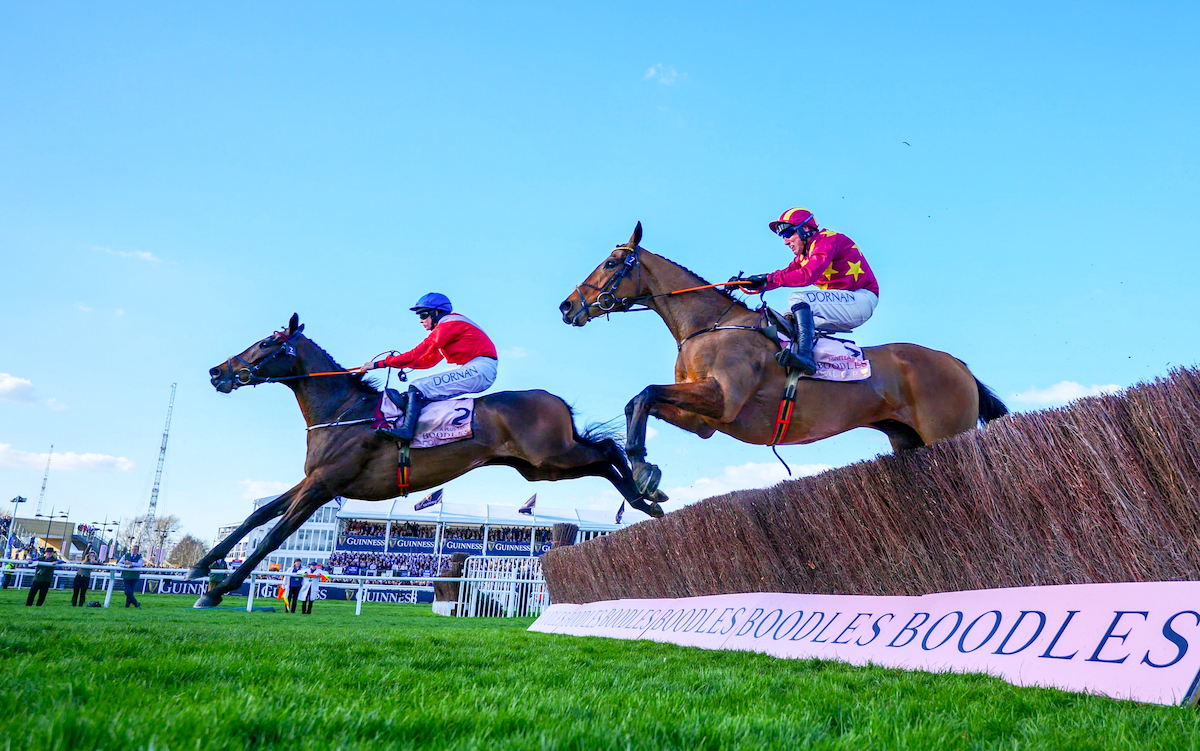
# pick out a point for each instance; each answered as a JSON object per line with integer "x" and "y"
{"x": 405, "y": 432}
{"x": 392, "y": 434}
{"x": 800, "y": 353}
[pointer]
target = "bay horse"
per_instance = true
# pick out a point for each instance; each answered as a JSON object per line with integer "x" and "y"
{"x": 531, "y": 431}
{"x": 727, "y": 378}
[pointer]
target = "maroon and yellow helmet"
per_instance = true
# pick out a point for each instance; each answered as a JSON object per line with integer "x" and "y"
{"x": 796, "y": 217}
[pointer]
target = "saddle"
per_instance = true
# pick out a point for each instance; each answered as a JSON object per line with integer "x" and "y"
{"x": 838, "y": 359}
{"x": 439, "y": 423}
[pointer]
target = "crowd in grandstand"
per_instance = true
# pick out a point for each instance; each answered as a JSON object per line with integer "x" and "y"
{"x": 371, "y": 564}
{"x": 360, "y": 528}
{"x": 364, "y": 529}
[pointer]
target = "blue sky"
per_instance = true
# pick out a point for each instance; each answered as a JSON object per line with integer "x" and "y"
{"x": 176, "y": 181}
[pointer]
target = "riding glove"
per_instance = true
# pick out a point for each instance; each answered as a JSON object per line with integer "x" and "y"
{"x": 757, "y": 283}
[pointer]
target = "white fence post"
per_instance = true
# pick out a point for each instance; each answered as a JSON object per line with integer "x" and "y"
{"x": 250, "y": 598}
{"x": 359, "y": 597}
{"x": 112, "y": 579}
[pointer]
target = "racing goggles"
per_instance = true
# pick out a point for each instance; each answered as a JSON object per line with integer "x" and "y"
{"x": 787, "y": 230}
{"x": 423, "y": 314}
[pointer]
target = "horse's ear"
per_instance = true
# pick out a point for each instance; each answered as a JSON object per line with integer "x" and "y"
{"x": 293, "y": 324}
{"x": 636, "y": 238}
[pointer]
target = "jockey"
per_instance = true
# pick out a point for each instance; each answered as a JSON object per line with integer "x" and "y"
{"x": 846, "y": 293}
{"x": 457, "y": 339}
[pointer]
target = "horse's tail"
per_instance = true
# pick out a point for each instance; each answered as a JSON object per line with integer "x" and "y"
{"x": 990, "y": 406}
{"x": 597, "y": 433}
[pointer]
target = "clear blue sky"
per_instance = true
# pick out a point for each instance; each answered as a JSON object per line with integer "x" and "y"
{"x": 176, "y": 181}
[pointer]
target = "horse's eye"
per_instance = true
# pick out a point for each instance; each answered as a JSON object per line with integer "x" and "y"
{"x": 610, "y": 263}
{"x": 264, "y": 345}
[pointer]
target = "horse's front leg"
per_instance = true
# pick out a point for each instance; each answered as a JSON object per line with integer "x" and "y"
{"x": 261, "y": 516}
{"x": 700, "y": 398}
{"x": 311, "y": 496}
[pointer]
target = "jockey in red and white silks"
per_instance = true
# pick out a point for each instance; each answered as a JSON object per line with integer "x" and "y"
{"x": 452, "y": 337}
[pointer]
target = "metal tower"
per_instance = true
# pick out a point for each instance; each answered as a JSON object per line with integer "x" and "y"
{"x": 147, "y": 524}
{"x": 45, "y": 477}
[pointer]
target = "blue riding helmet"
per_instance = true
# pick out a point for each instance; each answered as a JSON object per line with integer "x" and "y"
{"x": 434, "y": 301}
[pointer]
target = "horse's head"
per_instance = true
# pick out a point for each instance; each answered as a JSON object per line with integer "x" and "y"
{"x": 266, "y": 359}
{"x": 614, "y": 286}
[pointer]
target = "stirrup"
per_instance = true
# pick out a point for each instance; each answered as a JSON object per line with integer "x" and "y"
{"x": 789, "y": 359}
{"x": 390, "y": 434}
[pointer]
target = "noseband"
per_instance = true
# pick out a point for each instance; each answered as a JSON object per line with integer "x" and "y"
{"x": 606, "y": 299}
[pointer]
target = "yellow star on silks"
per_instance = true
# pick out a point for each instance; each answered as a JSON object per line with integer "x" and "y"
{"x": 828, "y": 232}
{"x": 830, "y": 272}
{"x": 855, "y": 269}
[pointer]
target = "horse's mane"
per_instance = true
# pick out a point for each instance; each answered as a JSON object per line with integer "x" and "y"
{"x": 728, "y": 295}
{"x": 358, "y": 381}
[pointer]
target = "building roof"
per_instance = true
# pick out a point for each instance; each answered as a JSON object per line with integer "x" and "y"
{"x": 401, "y": 510}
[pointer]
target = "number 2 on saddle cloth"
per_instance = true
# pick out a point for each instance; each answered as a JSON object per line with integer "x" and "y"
{"x": 440, "y": 423}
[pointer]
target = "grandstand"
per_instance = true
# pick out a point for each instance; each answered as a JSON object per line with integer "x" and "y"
{"x": 447, "y": 528}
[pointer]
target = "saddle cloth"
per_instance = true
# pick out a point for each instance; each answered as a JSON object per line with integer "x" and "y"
{"x": 440, "y": 422}
{"x": 837, "y": 359}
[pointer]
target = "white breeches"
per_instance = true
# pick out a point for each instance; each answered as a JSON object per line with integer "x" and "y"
{"x": 477, "y": 375}
{"x": 837, "y": 309}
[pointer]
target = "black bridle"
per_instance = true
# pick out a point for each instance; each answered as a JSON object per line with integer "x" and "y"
{"x": 606, "y": 299}
{"x": 248, "y": 375}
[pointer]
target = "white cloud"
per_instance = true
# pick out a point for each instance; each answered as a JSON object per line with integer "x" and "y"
{"x": 67, "y": 462}
{"x": 15, "y": 389}
{"x": 650, "y": 432}
{"x": 140, "y": 255}
{"x": 740, "y": 477}
{"x": 119, "y": 312}
{"x": 83, "y": 307}
{"x": 254, "y": 489}
{"x": 664, "y": 74}
{"x": 514, "y": 353}
{"x": 1063, "y": 392}
{"x": 55, "y": 404}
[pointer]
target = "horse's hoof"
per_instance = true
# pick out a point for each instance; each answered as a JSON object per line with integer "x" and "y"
{"x": 646, "y": 477}
{"x": 207, "y": 600}
{"x": 196, "y": 573}
{"x": 658, "y": 497}
{"x": 655, "y": 511}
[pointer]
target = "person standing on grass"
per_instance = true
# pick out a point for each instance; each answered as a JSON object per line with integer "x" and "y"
{"x": 132, "y": 561}
{"x": 295, "y": 578}
{"x": 83, "y": 578}
{"x": 216, "y": 573}
{"x": 309, "y": 591}
{"x": 43, "y": 577}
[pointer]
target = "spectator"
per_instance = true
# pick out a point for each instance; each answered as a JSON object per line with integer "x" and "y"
{"x": 132, "y": 561}
{"x": 43, "y": 577}
{"x": 295, "y": 578}
{"x": 83, "y": 579}
{"x": 217, "y": 571}
{"x": 8, "y": 575}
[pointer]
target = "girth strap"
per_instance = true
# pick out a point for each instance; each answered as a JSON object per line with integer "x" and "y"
{"x": 404, "y": 467}
{"x": 784, "y": 420}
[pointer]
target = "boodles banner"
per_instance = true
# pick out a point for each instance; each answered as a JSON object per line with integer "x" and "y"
{"x": 1137, "y": 641}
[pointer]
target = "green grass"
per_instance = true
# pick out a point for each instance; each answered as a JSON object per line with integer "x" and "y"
{"x": 168, "y": 677}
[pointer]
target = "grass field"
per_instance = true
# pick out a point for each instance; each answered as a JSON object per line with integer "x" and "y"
{"x": 168, "y": 677}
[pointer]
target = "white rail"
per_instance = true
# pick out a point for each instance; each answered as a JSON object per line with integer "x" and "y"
{"x": 495, "y": 587}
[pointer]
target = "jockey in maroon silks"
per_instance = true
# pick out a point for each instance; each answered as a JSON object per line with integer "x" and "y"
{"x": 846, "y": 289}
{"x": 452, "y": 337}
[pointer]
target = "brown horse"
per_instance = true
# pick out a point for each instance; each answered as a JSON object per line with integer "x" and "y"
{"x": 727, "y": 379}
{"x": 531, "y": 431}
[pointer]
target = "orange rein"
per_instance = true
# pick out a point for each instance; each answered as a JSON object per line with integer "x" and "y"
{"x": 731, "y": 283}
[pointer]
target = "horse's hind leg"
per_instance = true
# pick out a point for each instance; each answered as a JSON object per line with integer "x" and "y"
{"x": 261, "y": 516}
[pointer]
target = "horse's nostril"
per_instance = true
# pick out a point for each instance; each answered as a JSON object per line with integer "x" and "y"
{"x": 214, "y": 372}
{"x": 566, "y": 306}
